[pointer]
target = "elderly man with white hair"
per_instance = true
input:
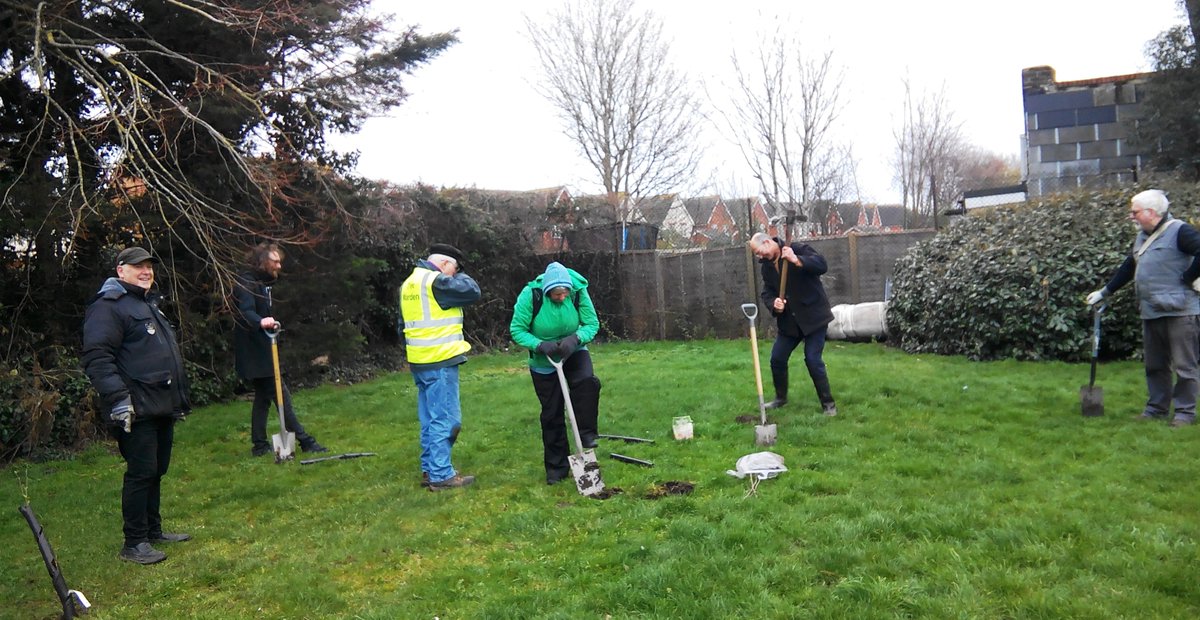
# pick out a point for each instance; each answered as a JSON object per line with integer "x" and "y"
{"x": 1164, "y": 264}
{"x": 431, "y": 320}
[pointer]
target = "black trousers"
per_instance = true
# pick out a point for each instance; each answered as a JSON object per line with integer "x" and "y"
{"x": 814, "y": 346}
{"x": 264, "y": 395}
{"x": 585, "y": 398}
{"x": 147, "y": 453}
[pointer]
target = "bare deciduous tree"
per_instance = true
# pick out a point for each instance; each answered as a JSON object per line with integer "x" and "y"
{"x": 787, "y": 102}
{"x": 607, "y": 71}
{"x": 927, "y": 144}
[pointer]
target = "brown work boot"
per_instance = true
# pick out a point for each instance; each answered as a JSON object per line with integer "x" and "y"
{"x": 452, "y": 483}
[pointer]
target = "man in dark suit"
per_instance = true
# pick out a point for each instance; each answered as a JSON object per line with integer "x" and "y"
{"x": 801, "y": 312}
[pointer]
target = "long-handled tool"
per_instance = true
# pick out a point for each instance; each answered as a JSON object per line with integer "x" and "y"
{"x": 627, "y": 439}
{"x": 630, "y": 459}
{"x": 787, "y": 240}
{"x": 764, "y": 434}
{"x": 584, "y": 466}
{"x": 1091, "y": 397}
{"x": 337, "y": 457}
{"x": 284, "y": 441}
{"x": 73, "y": 601}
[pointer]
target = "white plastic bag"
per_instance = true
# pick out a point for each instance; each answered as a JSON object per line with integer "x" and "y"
{"x": 760, "y": 465}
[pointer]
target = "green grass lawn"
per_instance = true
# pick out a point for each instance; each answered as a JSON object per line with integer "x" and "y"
{"x": 945, "y": 489}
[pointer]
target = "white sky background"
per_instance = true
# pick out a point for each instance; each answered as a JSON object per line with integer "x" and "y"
{"x": 474, "y": 119}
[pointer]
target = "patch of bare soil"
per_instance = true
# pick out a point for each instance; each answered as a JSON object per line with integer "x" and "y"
{"x": 607, "y": 493}
{"x": 670, "y": 487}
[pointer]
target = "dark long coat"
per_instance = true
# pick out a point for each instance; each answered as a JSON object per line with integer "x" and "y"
{"x": 807, "y": 308}
{"x": 251, "y": 346}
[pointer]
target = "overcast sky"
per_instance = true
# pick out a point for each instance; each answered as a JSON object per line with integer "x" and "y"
{"x": 474, "y": 119}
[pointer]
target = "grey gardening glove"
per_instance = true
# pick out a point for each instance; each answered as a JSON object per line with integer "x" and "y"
{"x": 567, "y": 345}
{"x": 1094, "y": 297}
{"x": 122, "y": 414}
{"x": 548, "y": 348}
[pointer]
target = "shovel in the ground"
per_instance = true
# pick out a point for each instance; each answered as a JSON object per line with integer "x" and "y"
{"x": 764, "y": 434}
{"x": 1091, "y": 396}
{"x": 584, "y": 466}
{"x": 284, "y": 442}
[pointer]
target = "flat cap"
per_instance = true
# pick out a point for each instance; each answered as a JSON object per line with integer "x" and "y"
{"x": 447, "y": 250}
{"x": 135, "y": 255}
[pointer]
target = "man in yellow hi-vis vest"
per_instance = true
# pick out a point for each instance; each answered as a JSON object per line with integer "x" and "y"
{"x": 431, "y": 319}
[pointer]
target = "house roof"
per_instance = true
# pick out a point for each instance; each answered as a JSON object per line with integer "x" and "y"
{"x": 655, "y": 208}
{"x": 737, "y": 209}
{"x": 701, "y": 207}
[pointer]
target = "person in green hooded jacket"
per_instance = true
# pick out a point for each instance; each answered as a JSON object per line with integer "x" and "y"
{"x": 554, "y": 316}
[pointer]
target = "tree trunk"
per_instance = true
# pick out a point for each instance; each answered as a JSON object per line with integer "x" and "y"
{"x": 1193, "y": 11}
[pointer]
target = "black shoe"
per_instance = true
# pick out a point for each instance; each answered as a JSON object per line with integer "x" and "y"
{"x": 143, "y": 553}
{"x": 168, "y": 537}
{"x": 775, "y": 404}
{"x": 261, "y": 450}
{"x": 313, "y": 446}
{"x": 829, "y": 409}
{"x": 556, "y": 477}
{"x": 424, "y": 480}
{"x": 588, "y": 440}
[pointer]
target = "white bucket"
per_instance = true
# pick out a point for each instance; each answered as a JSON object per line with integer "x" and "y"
{"x": 683, "y": 427}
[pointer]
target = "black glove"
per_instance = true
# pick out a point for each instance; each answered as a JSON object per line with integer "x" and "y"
{"x": 548, "y": 348}
{"x": 567, "y": 345}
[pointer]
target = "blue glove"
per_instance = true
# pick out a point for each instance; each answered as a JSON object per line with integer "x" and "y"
{"x": 567, "y": 345}
{"x": 548, "y": 348}
{"x": 122, "y": 414}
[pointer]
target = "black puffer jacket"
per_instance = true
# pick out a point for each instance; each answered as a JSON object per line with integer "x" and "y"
{"x": 251, "y": 346}
{"x": 130, "y": 351}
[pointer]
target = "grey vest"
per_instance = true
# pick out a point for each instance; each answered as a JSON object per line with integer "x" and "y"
{"x": 1159, "y": 291}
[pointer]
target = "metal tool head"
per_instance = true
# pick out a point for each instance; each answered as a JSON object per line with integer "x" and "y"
{"x": 765, "y": 434}
{"x": 750, "y": 310}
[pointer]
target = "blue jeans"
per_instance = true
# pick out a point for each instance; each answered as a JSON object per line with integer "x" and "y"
{"x": 441, "y": 419}
{"x": 814, "y": 346}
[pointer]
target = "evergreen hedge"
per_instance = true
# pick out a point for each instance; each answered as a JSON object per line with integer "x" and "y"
{"x": 1010, "y": 282}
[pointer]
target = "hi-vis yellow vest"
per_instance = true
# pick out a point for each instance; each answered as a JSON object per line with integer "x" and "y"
{"x": 431, "y": 334}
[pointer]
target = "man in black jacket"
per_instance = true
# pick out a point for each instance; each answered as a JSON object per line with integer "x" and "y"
{"x": 801, "y": 312}
{"x": 252, "y": 348}
{"x": 133, "y": 360}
